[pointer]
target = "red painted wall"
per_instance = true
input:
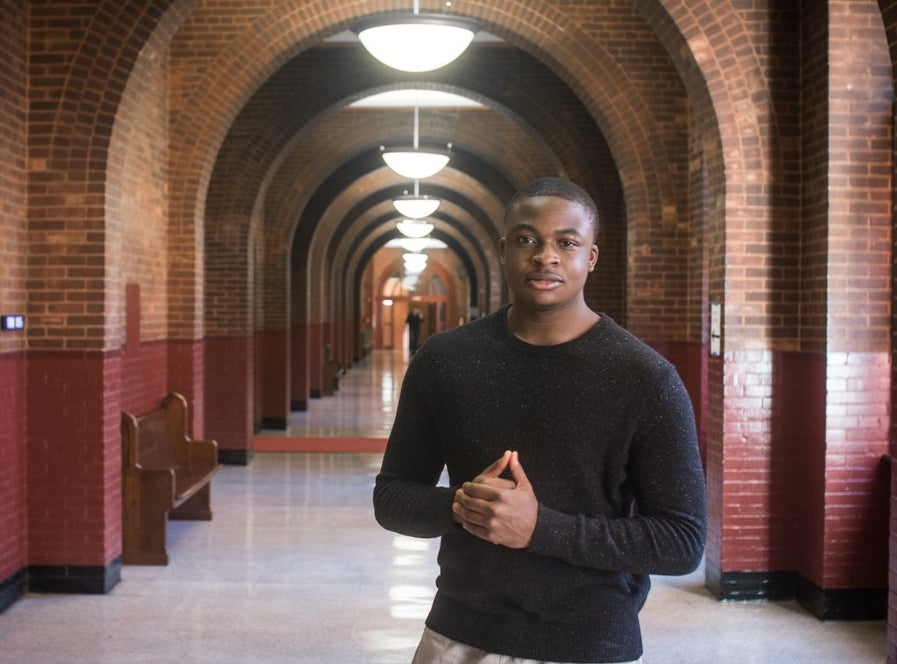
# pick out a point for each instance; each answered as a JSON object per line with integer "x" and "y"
{"x": 74, "y": 459}
{"x": 229, "y": 366}
{"x": 13, "y": 549}
{"x": 299, "y": 380}
{"x": 275, "y": 352}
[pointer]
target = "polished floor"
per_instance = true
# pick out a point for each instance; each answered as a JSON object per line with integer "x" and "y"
{"x": 293, "y": 568}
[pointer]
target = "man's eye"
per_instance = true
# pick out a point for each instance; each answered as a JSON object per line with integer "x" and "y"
{"x": 525, "y": 239}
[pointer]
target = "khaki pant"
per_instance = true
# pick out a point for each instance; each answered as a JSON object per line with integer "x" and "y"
{"x": 437, "y": 649}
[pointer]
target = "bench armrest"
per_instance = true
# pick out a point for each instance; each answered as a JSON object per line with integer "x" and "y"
{"x": 201, "y": 453}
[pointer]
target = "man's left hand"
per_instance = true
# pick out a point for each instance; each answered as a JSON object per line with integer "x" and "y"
{"x": 498, "y": 510}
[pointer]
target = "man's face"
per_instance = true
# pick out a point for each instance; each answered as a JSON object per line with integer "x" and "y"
{"x": 548, "y": 252}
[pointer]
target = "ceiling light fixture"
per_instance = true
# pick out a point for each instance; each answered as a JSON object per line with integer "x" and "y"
{"x": 414, "y": 228}
{"x": 416, "y": 206}
{"x": 412, "y": 162}
{"x": 416, "y": 43}
{"x": 414, "y": 263}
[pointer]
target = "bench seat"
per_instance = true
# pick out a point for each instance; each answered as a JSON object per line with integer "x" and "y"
{"x": 165, "y": 475}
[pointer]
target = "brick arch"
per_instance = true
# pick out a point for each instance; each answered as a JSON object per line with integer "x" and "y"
{"x": 717, "y": 80}
{"x": 593, "y": 71}
{"x": 311, "y": 159}
{"x": 477, "y": 243}
{"x": 77, "y": 124}
{"x": 734, "y": 94}
{"x": 316, "y": 312}
{"x": 228, "y": 78}
{"x": 434, "y": 265}
{"x": 224, "y": 193}
{"x": 344, "y": 286}
{"x": 327, "y": 248}
{"x": 742, "y": 160}
{"x": 254, "y": 149}
{"x": 310, "y": 162}
{"x": 71, "y": 159}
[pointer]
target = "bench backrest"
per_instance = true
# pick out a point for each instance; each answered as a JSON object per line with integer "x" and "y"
{"x": 155, "y": 447}
{"x": 157, "y": 439}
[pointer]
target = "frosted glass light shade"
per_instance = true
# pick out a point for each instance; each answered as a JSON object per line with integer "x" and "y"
{"x": 414, "y": 228}
{"x": 414, "y": 263}
{"x": 415, "y": 207}
{"x": 415, "y": 164}
{"x": 416, "y": 43}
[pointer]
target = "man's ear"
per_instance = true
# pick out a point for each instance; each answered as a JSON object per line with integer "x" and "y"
{"x": 501, "y": 250}
{"x": 593, "y": 257}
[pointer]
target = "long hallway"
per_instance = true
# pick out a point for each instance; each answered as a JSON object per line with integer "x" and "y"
{"x": 294, "y": 568}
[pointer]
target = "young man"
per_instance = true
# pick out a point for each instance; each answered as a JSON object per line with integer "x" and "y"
{"x": 571, "y": 454}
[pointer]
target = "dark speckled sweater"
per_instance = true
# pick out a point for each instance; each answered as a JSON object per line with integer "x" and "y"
{"x": 606, "y": 435}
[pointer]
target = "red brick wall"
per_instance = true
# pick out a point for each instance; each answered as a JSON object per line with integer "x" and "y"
{"x": 74, "y": 498}
{"x": 13, "y": 505}
{"x": 13, "y": 549}
{"x": 815, "y": 205}
{"x": 889, "y": 14}
{"x": 859, "y": 296}
{"x": 230, "y": 364}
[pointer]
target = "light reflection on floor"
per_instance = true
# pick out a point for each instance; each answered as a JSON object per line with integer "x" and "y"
{"x": 363, "y": 406}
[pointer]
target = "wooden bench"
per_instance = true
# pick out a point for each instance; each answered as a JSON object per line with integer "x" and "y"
{"x": 164, "y": 474}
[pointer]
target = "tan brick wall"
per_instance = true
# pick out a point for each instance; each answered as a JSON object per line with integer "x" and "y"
{"x": 138, "y": 203}
{"x": 13, "y": 156}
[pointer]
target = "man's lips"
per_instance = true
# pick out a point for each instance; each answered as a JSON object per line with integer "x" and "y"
{"x": 543, "y": 280}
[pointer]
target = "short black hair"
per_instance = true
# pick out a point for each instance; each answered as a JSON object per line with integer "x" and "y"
{"x": 558, "y": 188}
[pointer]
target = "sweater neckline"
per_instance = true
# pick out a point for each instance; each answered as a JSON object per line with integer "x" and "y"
{"x": 512, "y": 339}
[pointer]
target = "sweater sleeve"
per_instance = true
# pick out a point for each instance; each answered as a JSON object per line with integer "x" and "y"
{"x": 406, "y": 498}
{"x": 667, "y": 531}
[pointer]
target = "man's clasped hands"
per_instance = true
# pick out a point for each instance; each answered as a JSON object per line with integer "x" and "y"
{"x": 496, "y": 509}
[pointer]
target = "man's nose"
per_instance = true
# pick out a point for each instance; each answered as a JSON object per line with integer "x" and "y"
{"x": 545, "y": 253}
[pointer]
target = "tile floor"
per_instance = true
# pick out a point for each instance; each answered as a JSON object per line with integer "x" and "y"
{"x": 293, "y": 568}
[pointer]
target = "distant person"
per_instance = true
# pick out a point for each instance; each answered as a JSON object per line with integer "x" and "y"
{"x": 571, "y": 454}
{"x": 413, "y": 321}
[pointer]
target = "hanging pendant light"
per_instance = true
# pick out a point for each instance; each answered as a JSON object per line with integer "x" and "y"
{"x": 414, "y": 228}
{"x": 412, "y": 162}
{"x": 415, "y": 164}
{"x": 416, "y": 43}
{"x": 416, "y": 206}
{"x": 414, "y": 263}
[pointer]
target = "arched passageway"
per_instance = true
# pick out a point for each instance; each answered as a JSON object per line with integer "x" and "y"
{"x": 197, "y": 205}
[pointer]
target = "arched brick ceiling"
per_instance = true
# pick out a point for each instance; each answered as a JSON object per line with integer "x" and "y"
{"x": 222, "y": 53}
{"x": 259, "y": 40}
{"x": 279, "y": 117}
{"x": 361, "y": 222}
{"x": 332, "y": 145}
{"x": 278, "y": 82}
{"x": 472, "y": 135}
